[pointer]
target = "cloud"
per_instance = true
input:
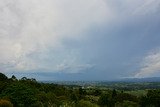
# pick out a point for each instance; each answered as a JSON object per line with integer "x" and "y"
{"x": 76, "y": 35}
{"x": 147, "y": 7}
{"x": 150, "y": 65}
{"x": 31, "y": 31}
{"x": 73, "y": 68}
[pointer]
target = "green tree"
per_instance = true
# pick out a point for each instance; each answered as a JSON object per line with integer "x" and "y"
{"x": 103, "y": 100}
{"x": 125, "y": 96}
{"x": 3, "y": 77}
{"x": 74, "y": 97}
{"x": 23, "y": 78}
{"x": 20, "y": 94}
{"x": 14, "y": 78}
{"x": 97, "y": 92}
{"x": 114, "y": 93}
{"x": 144, "y": 101}
{"x": 3, "y": 82}
{"x": 152, "y": 98}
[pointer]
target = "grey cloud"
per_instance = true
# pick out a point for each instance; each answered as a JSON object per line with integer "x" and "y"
{"x": 77, "y": 36}
{"x": 33, "y": 28}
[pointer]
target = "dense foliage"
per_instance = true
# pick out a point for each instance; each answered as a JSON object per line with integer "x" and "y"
{"x": 27, "y": 92}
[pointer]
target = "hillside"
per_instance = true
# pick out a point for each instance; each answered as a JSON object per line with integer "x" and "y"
{"x": 27, "y": 92}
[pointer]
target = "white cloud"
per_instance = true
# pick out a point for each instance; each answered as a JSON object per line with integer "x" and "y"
{"x": 33, "y": 27}
{"x": 150, "y": 65}
{"x": 147, "y": 7}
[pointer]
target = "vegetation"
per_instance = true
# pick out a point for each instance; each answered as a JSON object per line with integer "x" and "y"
{"x": 5, "y": 103}
{"x": 27, "y": 92}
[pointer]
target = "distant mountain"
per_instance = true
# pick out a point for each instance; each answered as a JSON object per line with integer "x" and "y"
{"x": 149, "y": 79}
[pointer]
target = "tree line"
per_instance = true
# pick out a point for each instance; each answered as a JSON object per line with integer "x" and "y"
{"x": 27, "y": 92}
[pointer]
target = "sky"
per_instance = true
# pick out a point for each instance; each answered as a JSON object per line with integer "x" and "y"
{"x": 80, "y": 39}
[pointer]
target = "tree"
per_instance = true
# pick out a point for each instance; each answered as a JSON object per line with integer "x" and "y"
{"x": 152, "y": 98}
{"x": 14, "y": 78}
{"x": 20, "y": 94}
{"x": 74, "y": 97}
{"x": 143, "y": 101}
{"x": 3, "y": 77}
{"x": 114, "y": 93}
{"x": 103, "y": 100}
{"x": 81, "y": 93}
{"x": 24, "y": 78}
{"x": 97, "y": 92}
{"x": 3, "y": 82}
{"x": 125, "y": 96}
